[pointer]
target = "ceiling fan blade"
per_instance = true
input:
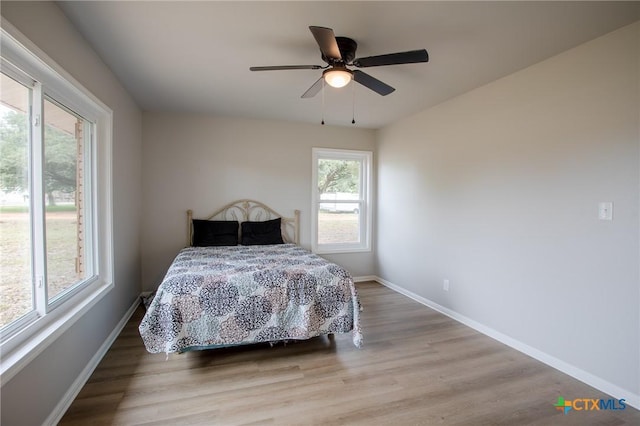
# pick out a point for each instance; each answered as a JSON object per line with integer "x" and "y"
{"x": 327, "y": 42}
{"x": 410, "y": 57}
{"x": 313, "y": 90}
{"x": 372, "y": 83}
{"x": 286, "y": 67}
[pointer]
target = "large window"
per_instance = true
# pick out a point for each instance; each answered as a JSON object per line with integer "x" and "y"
{"x": 341, "y": 200}
{"x": 55, "y": 229}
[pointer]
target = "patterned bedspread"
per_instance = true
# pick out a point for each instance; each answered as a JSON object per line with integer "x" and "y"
{"x": 222, "y": 296}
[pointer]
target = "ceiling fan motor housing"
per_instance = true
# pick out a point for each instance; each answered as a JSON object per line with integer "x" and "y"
{"x": 347, "y": 48}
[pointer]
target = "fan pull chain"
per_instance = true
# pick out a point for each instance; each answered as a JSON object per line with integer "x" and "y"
{"x": 353, "y": 111}
{"x": 322, "y": 102}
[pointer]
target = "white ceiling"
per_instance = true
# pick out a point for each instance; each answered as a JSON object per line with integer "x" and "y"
{"x": 195, "y": 56}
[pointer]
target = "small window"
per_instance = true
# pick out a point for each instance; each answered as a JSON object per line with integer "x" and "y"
{"x": 341, "y": 200}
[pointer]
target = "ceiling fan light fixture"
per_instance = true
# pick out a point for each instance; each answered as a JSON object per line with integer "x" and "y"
{"x": 337, "y": 77}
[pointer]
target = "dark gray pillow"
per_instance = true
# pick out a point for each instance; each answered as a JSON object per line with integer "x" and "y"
{"x": 215, "y": 233}
{"x": 260, "y": 233}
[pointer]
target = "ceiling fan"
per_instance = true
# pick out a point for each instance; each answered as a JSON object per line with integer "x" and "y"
{"x": 340, "y": 52}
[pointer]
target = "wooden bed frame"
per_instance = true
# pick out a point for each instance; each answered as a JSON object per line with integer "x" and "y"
{"x": 250, "y": 210}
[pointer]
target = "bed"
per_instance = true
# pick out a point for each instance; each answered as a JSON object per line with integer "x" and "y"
{"x": 265, "y": 289}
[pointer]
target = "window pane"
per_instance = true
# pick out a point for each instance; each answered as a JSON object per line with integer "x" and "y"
{"x": 338, "y": 227}
{"x": 338, "y": 218}
{"x": 339, "y": 179}
{"x": 16, "y": 289}
{"x": 63, "y": 177}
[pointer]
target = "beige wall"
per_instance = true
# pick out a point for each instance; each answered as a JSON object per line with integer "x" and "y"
{"x": 503, "y": 185}
{"x": 31, "y": 396}
{"x": 203, "y": 162}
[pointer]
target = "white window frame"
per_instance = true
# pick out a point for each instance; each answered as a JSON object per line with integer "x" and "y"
{"x": 26, "y": 338}
{"x": 366, "y": 160}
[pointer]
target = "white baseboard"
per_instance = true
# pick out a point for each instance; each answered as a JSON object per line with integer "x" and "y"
{"x": 365, "y": 278}
{"x": 73, "y": 391}
{"x": 573, "y": 371}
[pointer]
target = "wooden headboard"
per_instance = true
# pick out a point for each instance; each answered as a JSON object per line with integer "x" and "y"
{"x": 255, "y": 211}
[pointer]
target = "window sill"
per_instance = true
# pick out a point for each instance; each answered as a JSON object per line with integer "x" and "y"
{"x": 45, "y": 333}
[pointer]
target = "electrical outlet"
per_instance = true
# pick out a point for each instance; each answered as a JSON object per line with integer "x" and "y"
{"x": 445, "y": 285}
{"x": 605, "y": 210}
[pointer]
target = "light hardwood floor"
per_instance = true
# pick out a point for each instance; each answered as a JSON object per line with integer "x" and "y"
{"x": 416, "y": 367}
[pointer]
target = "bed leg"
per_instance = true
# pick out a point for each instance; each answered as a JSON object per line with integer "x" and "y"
{"x": 331, "y": 336}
